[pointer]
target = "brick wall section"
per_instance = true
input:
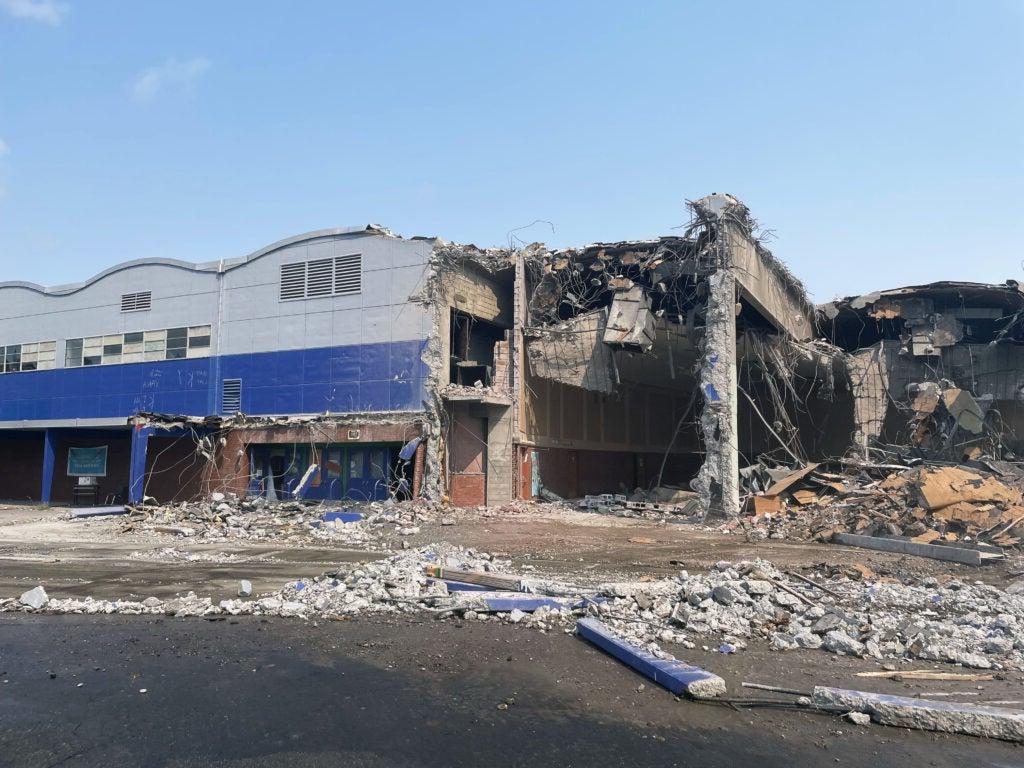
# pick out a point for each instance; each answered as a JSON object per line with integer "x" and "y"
{"x": 481, "y": 297}
{"x": 502, "y": 367}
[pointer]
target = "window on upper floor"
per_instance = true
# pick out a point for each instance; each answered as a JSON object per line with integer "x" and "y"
{"x": 35, "y": 356}
{"x": 338, "y": 276}
{"x": 138, "y": 346}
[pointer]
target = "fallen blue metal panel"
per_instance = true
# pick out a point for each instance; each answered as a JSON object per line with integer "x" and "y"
{"x": 673, "y": 674}
{"x": 99, "y": 512}
{"x": 409, "y": 449}
{"x": 344, "y": 515}
{"x": 525, "y": 604}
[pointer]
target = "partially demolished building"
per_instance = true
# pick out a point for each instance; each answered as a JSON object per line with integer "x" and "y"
{"x": 356, "y": 364}
{"x": 934, "y": 369}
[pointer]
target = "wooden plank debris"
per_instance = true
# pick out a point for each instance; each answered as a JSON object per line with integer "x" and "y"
{"x": 927, "y": 674}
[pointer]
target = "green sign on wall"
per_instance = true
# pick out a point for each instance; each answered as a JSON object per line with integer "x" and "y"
{"x": 87, "y": 462}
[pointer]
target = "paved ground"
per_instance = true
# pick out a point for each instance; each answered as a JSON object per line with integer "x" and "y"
{"x": 394, "y": 693}
{"x": 89, "y": 558}
{"x": 84, "y": 558}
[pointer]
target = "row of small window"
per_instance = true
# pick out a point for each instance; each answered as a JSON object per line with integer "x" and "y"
{"x": 37, "y": 356}
{"x": 138, "y": 347}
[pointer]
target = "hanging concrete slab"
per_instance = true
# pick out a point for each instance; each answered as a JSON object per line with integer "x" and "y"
{"x": 630, "y": 321}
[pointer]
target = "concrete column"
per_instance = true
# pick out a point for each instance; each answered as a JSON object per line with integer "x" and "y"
{"x": 500, "y": 466}
{"x": 418, "y": 464}
{"x": 718, "y": 479}
{"x": 137, "y": 465}
{"x": 49, "y": 459}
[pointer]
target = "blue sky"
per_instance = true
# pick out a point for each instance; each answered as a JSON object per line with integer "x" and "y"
{"x": 882, "y": 142}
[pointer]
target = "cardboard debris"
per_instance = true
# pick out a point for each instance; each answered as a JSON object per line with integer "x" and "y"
{"x": 805, "y": 497}
{"x": 948, "y": 485}
{"x": 766, "y": 505}
{"x": 783, "y": 484}
{"x": 922, "y": 506}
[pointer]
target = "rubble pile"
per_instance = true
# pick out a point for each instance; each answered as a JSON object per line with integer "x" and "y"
{"x": 174, "y": 555}
{"x": 655, "y": 503}
{"x": 971, "y": 624}
{"x": 929, "y": 504}
{"x": 952, "y": 621}
{"x": 222, "y": 517}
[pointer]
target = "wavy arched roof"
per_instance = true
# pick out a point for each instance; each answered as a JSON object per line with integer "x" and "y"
{"x": 209, "y": 266}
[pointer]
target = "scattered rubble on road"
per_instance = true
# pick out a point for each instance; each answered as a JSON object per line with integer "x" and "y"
{"x": 971, "y": 624}
{"x": 225, "y": 517}
{"x": 174, "y": 555}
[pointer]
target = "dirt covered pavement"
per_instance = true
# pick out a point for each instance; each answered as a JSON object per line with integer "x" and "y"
{"x": 97, "y": 691}
{"x": 93, "y": 557}
{"x": 784, "y": 613}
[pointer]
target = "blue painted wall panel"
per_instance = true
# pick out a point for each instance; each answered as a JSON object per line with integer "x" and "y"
{"x": 368, "y": 377}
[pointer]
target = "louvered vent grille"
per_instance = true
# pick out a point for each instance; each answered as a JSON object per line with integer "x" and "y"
{"x": 136, "y": 302}
{"x": 348, "y": 274}
{"x": 231, "y": 397}
{"x": 340, "y": 276}
{"x": 293, "y": 281}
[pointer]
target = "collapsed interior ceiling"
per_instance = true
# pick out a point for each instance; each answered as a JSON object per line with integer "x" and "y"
{"x": 927, "y": 318}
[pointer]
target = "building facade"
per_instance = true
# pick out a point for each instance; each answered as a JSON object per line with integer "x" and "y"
{"x": 326, "y": 322}
{"x": 356, "y": 364}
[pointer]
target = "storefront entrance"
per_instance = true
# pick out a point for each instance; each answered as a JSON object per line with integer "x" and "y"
{"x": 354, "y": 472}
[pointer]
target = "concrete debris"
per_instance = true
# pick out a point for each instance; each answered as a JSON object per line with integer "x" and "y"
{"x": 658, "y": 503}
{"x": 922, "y": 714}
{"x": 174, "y": 555}
{"x": 227, "y": 518}
{"x": 858, "y": 718}
{"x": 974, "y": 625}
{"x": 35, "y": 598}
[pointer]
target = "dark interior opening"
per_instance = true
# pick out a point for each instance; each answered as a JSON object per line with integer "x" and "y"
{"x": 472, "y": 349}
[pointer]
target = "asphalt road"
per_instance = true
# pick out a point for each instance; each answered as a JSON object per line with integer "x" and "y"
{"x": 375, "y": 692}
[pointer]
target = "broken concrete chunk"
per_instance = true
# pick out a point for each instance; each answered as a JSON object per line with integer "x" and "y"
{"x": 838, "y": 641}
{"x": 783, "y": 642}
{"x": 723, "y": 594}
{"x": 827, "y": 623}
{"x": 922, "y": 714}
{"x": 807, "y": 640}
{"x": 35, "y": 598}
{"x": 858, "y": 718}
